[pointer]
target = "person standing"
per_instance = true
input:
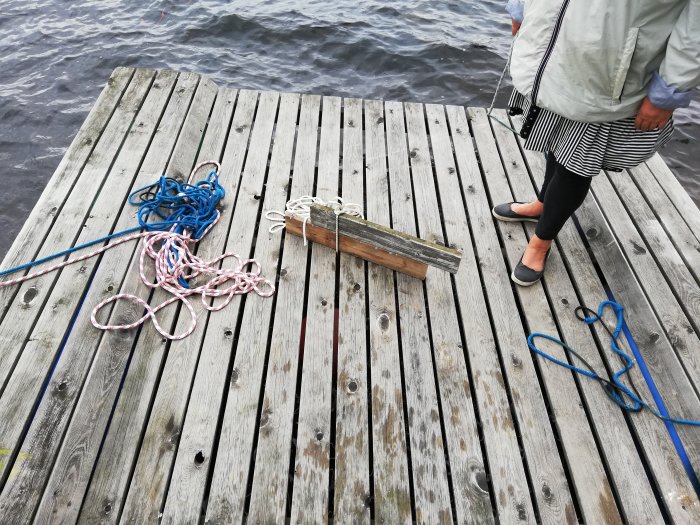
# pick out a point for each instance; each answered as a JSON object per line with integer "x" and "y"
{"x": 597, "y": 82}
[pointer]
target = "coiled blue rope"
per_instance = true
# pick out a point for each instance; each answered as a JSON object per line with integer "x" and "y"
{"x": 188, "y": 207}
{"x": 626, "y": 398}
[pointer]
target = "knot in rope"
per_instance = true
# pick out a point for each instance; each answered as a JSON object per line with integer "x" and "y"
{"x": 301, "y": 208}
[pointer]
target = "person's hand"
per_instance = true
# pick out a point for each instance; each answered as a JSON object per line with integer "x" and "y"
{"x": 651, "y": 117}
{"x": 515, "y": 26}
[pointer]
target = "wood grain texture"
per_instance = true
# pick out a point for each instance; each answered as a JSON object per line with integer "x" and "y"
{"x": 48, "y": 208}
{"x": 616, "y": 442}
{"x": 268, "y": 496}
{"x": 658, "y": 283}
{"x": 40, "y": 343}
{"x": 673, "y": 290}
{"x": 350, "y": 246}
{"x": 112, "y": 472}
{"x": 29, "y": 301}
{"x": 73, "y": 468}
{"x": 152, "y": 478}
{"x": 73, "y": 464}
{"x": 546, "y": 466}
{"x": 312, "y": 460}
{"x": 392, "y": 490}
{"x": 507, "y": 471}
{"x": 235, "y": 448}
{"x": 428, "y": 466}
{"x": 593, "y": 489}
{"x": 408, "y": 400}
{"x": 675, "y": 192}
{"x": 386, "y": 239}
{"x": 192, "y": 466}
{"x": 671, "y": 219}
{"x": 472, "y": 502}
{"x": 351, "y": 478}
{"x": 667, "y": 471}
{"x": 76, "y": 355}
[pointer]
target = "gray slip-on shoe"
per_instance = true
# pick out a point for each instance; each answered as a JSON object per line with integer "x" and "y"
{"x": 525, "y": 276}
{"x": 503, "y": 212}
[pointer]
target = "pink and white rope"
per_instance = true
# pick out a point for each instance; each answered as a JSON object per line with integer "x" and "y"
{"x": 173, "y": 260}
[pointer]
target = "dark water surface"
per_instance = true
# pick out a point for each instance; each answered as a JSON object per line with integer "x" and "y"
{"x": 55, "y": 59}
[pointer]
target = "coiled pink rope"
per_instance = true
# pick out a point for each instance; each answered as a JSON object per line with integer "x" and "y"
{"x": 176, "y": 267}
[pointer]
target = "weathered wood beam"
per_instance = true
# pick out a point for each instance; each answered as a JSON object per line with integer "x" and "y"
{"x": 386, "y": 239}
{"x": 319, "y": 235}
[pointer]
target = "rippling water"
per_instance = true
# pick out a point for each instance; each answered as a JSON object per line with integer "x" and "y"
{"x": 55, "y": 58}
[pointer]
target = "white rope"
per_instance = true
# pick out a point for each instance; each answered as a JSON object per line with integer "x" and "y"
{"x": 301, "y": 207}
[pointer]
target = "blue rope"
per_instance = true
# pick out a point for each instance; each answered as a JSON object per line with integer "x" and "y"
{"x": 188, "y": 207}
{"x": 623, "y": 396}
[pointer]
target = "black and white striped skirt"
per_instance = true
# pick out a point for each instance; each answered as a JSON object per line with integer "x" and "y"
{"x": 588, "y": 147}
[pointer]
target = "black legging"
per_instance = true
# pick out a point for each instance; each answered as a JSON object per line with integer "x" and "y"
{"x": 563, "y": 191}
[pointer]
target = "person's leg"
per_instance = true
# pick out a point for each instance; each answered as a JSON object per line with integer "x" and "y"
{"x": 534, "y": 208}
{"x": 565, "y": 192}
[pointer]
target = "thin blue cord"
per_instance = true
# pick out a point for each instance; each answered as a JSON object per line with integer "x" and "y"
{"x": 616, "y": 390}
{"x": 188, "y": 207}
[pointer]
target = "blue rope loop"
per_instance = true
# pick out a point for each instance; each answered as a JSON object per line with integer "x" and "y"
{"x": 188, "y": 207}
{"x": 626, "y": 398}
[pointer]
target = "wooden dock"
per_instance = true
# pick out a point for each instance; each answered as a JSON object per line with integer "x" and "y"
{"x": 354, "y": 393}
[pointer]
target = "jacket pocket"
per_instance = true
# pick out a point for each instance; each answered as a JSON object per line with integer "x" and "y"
{"x": 624, "y": 63}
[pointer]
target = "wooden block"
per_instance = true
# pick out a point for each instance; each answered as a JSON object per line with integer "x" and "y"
{"x": 388, "y": 240}
{"x": 354, "y": 247}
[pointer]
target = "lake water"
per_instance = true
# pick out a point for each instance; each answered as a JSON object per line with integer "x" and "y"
{"x": 55, "y": 58}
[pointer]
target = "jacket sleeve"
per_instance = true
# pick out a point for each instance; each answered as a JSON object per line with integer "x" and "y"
{"x": 516, "y": 10}
{"x": 679, "y": 72}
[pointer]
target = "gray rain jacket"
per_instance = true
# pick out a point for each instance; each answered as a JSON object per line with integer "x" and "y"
{"x": 595, "y": 60}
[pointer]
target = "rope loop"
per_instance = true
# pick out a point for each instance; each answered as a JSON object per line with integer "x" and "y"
{"x": 627, "y": 398}
{"x": 175, "y": 216}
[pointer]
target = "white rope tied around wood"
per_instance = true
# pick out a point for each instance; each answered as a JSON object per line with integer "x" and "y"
{"x": 301, "y": 207}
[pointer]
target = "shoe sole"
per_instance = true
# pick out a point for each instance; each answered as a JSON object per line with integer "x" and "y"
{"x": 523, "y": 283}
{"x": 513, "y": 219}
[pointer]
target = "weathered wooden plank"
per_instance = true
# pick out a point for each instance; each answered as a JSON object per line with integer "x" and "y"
{"x": 73, "y": 467}
{"x": 66, "y": 382}
{"x": 462, "y": 437}
{"x": 428, "y": 464}
{"x": 671, "y": 219}
{"x": 151, "y": 478}
{"x": 48, "y": 208}
{"x": 386, "y": 239}
{"x": 348, "y": 245}
{"x": 680, "y": 198}
{"x": 313, "y": 443}
{"x": 107, "y": 486}
{"x": 667, "y": 472}
{"x": 507, "y": 471}
{"x": 677, "y": 326}
{"x": 555, "y": 505}
{"x": 658, "y": 260}
{"x": 626, "y": 470}
{"x": 593, "y": 490}
{"x": 351, "y": 477}
{"x": 268, "y": 498}
{"x": 190, "y": 472}
{"x": 27, "y": 304}
{"x": 392, "y": 491}
{"x": 43, "y": 341}
{"x": 235, "y": 447}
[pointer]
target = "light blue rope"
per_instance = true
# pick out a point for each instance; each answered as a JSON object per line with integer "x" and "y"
{"x": 616, "y": 390}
